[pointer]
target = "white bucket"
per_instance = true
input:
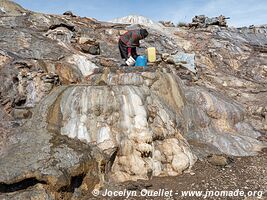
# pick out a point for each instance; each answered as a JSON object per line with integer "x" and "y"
{"x": 130, "y": 61}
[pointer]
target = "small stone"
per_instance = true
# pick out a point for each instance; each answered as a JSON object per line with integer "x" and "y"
{"x": 218, "y": 160}
{"x": 21, "y": 113}
{"x": 85, "y": 40}
{"x": 170, "y": 60}
{"x": 148, "y": 82}
{"x": 164, "y": 56}
{"x": 91, "y": 49}
{"x": 167, "y": 23}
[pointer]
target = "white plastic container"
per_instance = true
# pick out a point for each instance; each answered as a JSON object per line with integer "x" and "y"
{"x": 130, "y": 61}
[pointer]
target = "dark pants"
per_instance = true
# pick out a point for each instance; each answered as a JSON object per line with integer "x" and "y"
{"x": 124, "y": 50}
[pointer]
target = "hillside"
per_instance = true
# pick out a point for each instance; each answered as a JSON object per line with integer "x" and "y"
{"x": 74, "y": 120}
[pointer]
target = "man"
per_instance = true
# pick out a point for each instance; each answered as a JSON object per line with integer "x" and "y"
{"x": 128, "y": 43}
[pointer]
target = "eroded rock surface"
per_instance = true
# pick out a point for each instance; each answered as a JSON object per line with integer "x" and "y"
{"x": 74, "y": 120}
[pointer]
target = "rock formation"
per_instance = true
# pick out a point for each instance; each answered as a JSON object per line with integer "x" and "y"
{"x": 70, "y": 114}
{"x": 167, "y": 23}
{"x": 201, "y": 21}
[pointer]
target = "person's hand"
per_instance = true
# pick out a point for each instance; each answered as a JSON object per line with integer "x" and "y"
{"x": 143, "y": 46}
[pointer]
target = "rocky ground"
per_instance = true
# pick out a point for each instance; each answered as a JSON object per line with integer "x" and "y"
{"x": 73, "y": 121}
{"x": 243, "y": 174}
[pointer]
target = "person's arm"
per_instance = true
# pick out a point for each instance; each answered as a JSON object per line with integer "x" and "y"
{"x": 129, "y": 52}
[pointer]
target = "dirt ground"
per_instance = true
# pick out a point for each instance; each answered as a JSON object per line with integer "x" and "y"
{"x": 243, "y": 174}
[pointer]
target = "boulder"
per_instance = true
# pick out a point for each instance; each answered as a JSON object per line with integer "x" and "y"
{"x": 41, "y": 156}
{"x": 67, "y": 73}
{"x": 201, "y": 21}
{"x": 69, "y": 13}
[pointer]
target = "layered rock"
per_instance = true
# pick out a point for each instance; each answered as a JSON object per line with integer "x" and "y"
{"x": 70, "y": 112}
{"x": 130, "y": 121}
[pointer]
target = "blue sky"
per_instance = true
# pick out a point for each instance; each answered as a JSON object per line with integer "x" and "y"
{"x": 241, "y": 12}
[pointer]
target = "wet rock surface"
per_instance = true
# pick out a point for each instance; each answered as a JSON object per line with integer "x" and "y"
{"x": 73, "y": 120}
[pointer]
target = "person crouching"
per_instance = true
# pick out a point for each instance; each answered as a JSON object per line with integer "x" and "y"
{"x": 128, "y": 43}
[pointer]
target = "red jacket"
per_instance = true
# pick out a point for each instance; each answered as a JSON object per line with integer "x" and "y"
{"x": 131, "y": 38}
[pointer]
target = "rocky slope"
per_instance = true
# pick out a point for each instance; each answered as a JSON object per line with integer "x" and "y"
{"x": 73, "y": 119}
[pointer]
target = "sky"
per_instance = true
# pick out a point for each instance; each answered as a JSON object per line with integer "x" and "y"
{"x": 241, "y": 12}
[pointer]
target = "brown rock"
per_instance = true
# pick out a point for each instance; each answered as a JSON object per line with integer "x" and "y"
{"x": 67, "y": 74}
{"x": 69, "y": 13}
{"x": 218, "y": 160}
{"x": 85, "y": 40}
{"x": 3, "y": 60}
{"x": 106, "y": 62}
{"x": 21, "y": 113}
{"x": 91, "y": 49}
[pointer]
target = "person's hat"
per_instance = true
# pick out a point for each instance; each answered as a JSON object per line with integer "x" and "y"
{"x": 143, "y": 33}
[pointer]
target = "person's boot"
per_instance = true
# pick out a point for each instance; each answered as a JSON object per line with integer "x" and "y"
{"x": 123, "y": 64}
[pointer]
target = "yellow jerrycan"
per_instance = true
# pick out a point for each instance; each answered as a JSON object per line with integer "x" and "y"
{"x": 151, "y": 54}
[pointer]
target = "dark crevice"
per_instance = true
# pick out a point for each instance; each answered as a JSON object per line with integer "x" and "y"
{"x": 15, "y": 80}
{"x": 111, "y": 161}
{"x": 22, "y": 185}
{"x": 76, "y": 182}
{"x": 20, "y": 102}
{"x": 70, "y": 27}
